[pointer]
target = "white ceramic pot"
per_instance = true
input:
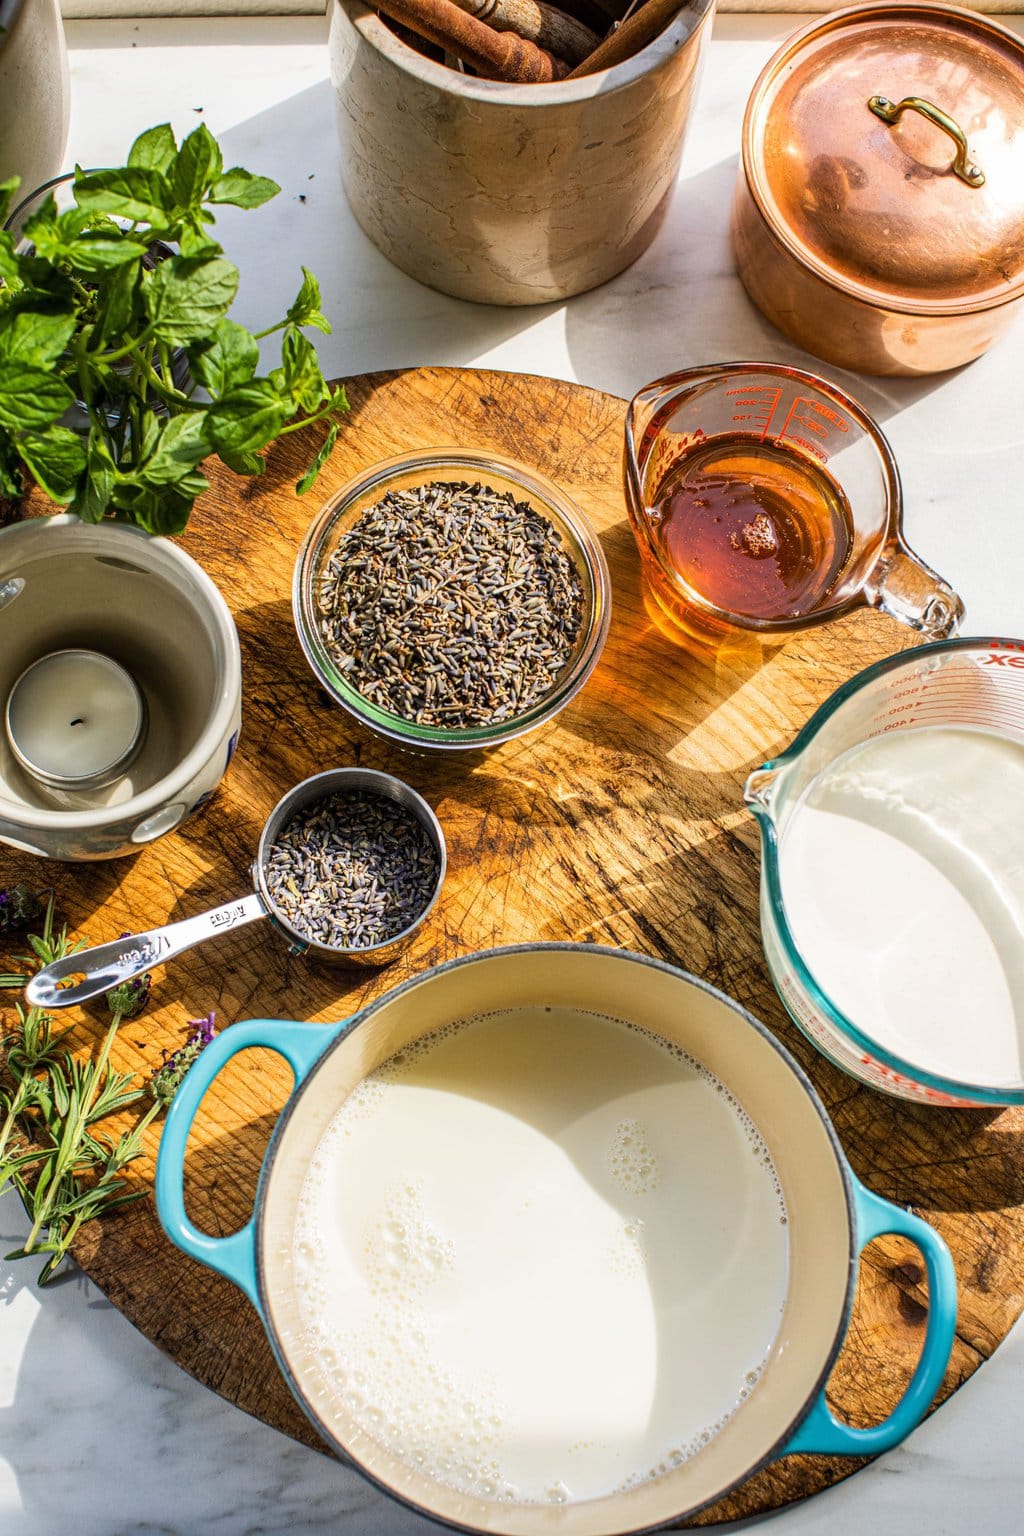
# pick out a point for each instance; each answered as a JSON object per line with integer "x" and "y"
{"x": 510, "y": 194}
{"x": 830, "y": 1218}
{"x": 35, "y": 99}
{"x": 144, "y": 602}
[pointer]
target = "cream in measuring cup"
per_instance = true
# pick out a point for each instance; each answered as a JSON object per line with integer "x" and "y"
{"x": 893, "y": 874}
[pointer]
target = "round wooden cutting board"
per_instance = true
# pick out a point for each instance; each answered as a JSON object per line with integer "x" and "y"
{"x": 622, "y": 823}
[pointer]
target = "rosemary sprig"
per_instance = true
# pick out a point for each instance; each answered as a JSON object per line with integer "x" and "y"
{"x": 63, "y": 1168}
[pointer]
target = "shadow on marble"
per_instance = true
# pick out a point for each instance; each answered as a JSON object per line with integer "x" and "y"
{"x": 691, "y": 258}
{"x": 312, "y": 215}
{"x": 101, "y": 1432}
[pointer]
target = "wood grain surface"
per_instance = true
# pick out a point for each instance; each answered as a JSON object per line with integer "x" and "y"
{"x": 620, "y": 823}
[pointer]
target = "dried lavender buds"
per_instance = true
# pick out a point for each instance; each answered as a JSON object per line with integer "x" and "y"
{"x": 451, "y": 605}
{"x": 352, "y": 870}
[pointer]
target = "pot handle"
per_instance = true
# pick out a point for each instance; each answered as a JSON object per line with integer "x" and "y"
{"x": 235, "y": 1256}
{"x": 820, "y": 1430}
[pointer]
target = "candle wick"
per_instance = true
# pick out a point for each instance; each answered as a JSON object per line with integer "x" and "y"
{"x": 79, "y": 721}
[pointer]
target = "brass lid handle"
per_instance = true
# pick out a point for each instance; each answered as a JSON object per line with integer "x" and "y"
{"x": 892, "y": 111}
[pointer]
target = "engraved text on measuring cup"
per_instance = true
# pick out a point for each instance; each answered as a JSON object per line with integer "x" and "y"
{"x": 228, "y": 916}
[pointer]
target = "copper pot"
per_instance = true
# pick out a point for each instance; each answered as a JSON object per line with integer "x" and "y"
{"x": 855, "y": 229}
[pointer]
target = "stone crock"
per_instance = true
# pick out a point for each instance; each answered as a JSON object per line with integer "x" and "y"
{"x": 510, "y": 194}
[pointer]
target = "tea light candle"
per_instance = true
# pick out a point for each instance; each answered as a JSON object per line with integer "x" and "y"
{"x": 75, "y": 719}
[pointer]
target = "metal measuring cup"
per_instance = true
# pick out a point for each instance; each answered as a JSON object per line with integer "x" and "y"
{"x": 107, "y": 965}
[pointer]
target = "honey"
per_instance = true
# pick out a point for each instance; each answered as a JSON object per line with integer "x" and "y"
{"x": 752, "y": 528}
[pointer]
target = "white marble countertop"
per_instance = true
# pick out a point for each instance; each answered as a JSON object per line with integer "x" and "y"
{"x": 99, "y": 1433}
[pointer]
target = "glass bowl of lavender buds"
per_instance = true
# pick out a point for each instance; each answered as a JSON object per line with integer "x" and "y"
{"x": 451, "y": 599}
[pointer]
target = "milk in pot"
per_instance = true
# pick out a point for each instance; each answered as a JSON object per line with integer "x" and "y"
{"x": 541, "y": 1255}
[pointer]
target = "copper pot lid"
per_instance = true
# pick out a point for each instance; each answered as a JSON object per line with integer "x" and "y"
{"x": 884, "y": 145}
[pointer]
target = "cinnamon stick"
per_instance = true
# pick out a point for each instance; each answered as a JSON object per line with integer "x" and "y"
{"x": 539, "y": 22}
{"x": 645, "y": 24}
{"x": 495, "y": 55}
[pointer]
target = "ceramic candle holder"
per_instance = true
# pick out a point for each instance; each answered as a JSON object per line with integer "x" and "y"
{"x": 142, "y": 602}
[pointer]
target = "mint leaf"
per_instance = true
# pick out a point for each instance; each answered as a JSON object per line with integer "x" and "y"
{"x": 306, "y": 309}
{"x": 242, "y": 189}
{"x": 182, "y": 445}
{"x": 242, "y": 463}
{"x": 149, "y": 431}
{"x": 56, "y": 459}
{"x": 9, "y": 265}
{"x": 198, "y": 164}
{"x": 7, "y": 190}
{"x": 94, "y": 493}
{"x": 93, "y": 254}
{"x": 164, "y": 510}
{"x": 230, "y": 358}
{"x": 248, "y": 417}
{"x": 118, "y": 305}
{"x": 309, "y": 478}
{"x": 193, "y": 239}
{"x": 42, "y": 229}
{"x": 154, "y": 150}
{"x": 299, "y": 374}
{"x": 38, "y": 337}
{"x": 30, "y": 396}
{"x": 137, "y": 193}
{"x": 187, "y": 295}
{"x": 10, "y": 470}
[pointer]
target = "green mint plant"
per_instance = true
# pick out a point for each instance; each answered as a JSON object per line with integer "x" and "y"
{"x": 95, "y": 302}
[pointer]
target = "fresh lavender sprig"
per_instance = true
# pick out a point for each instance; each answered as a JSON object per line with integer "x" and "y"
{"x": 129, "y": 998}
{"x": 168, "y": 1078}
{"x": 18, "y": 907}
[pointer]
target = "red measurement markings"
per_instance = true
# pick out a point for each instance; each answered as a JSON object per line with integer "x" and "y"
{"x": 996, "y": 701}
{"x": 815, "y": 419}
{"x": 975, "y": 711}
{"x": 973, "y": 692}
{"x": 974, "y": 688}
{"x": 756, "y": 405}
{"x": 1004, "y": 725}
{"x": 994, "y": 719}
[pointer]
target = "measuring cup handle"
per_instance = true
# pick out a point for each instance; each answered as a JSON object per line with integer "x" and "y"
{"x": 902, "y": 586}
{"x": 235, "y": 1256}
{"x": 107, "y": 965}
{"x": 821, "y": 1431}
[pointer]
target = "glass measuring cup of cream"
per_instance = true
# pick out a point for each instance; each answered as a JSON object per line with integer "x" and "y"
{"x": 892, "y": 874}
{"x": 764, "y": 499}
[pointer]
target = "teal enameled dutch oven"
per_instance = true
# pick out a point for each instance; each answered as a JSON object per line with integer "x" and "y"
{"x": 831, "y": 1218}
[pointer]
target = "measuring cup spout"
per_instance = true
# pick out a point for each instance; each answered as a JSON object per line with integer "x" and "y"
{"x": 107, "y": 965}
{"x": 759, "y": 790}
{"x": 902, "y": 586}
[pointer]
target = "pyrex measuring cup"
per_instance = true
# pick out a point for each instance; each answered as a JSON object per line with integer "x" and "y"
{"x": 976, "y": 684}
{"x": 107, "y": 965}
{"x": 787, "y": 415}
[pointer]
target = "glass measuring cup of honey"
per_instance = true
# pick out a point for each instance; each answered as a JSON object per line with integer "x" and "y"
{"x": 764, "y": 499}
